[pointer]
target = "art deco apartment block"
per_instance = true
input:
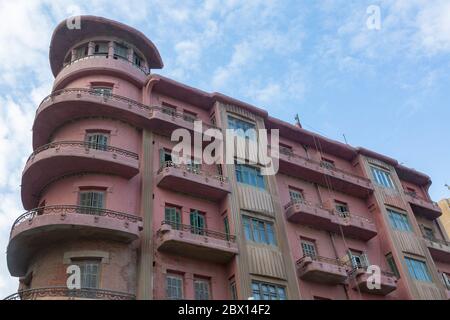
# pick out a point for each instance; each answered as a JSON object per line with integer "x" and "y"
{"x": 102, "y": 192}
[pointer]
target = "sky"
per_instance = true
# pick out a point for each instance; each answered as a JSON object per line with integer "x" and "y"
{"x": 386, "y": 89}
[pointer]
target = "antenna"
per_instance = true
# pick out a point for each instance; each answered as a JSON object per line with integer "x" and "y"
{"x": 297, "y": 121}
{"x": 448, "y": 187}
{"x": 345, "y": 139}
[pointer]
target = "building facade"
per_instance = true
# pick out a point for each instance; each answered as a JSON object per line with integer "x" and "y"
{"x": 444, "y": 204}
{"x": 103, "y": 193}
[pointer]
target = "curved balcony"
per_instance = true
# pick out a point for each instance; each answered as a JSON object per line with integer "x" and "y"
{"x": 37, "y": 228}
{"x": 188, "y": 180}
{"x": 58, "y": 159}
{"x": 352, "y": 225}
{"x": 423, "y": 207}
{"x": 321, "y": 270}
{"x": 197, "y": 243}
{"x": 104, "y": 64}
{"x": 63, "y": 293}
{"x": 73, "y": 103}
{"x": 319, "y": 172}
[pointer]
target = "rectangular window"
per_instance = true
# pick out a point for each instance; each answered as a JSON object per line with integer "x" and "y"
{"x": 309, "y": 248}
{"x": 259, "y": 231}
{"x": 391, "y": 262}
{"x": 189, "y": 116}
{"x": 250, "y": 175}
{"x": 446, "y": 280}
{"x": 89, "y": 272}
{"x": 399, "y": 221}
{"x": 233, "y": 290}
{"x": 101, "y": 48}
{"x": 81, "y": 52}
{"x": 137, "y": 60}
{"x": 172, "y": 215}
{"x": 169, "y": 109}
{"x": 327, "y": 163}
{"x": 91, "y": 201}
{"x": 201, "y": 288}
{"x": 165, "y": 157}
{"x": 242, "y": 128}
{"x": 341, "y": 208}
{"x": 120, "y": 51}
{"x": 174, "y": 287}
{"x": 359, "y": 260}
{"x": 428, "y": 233}
{"x": 98, "y": 141}
{"x": 296, "y": 195}
{"x": 418, "y": 270}
{"x": 267, "y": 291}
{"x": 102, "y": 91}
{"x": 285, "y": 149}
{"x": 382, "y": 177}
{"x": 198, "y": 222}
{"x": 227, "y": 227}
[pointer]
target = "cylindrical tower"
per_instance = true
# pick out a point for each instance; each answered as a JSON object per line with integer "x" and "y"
{"x": 82, "y": 183}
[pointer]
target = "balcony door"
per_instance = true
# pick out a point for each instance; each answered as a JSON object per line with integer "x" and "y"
{"x": 198, "y": 222}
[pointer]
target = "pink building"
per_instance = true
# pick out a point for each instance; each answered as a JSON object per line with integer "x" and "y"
{"x": 102, "y": 193}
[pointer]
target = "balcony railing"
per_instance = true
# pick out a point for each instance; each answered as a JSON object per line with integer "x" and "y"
{"x": 297, "y": 201}
{"x": 192, "y": 169}
{"x": 200, "y": 231}
{"x": 64, "y": 292}
{"x": 440, "y": 241}
{"x": 106, "y": 56}
{"x": 332, "y": 261}
{"x": 131, "y": 102}
{"x": 86, "y": 145}
{"x": 348, "y": 215}
{"x": 322, "y": 164}
{"x": 416, "y": 196}
{"x": 72, "y": 209}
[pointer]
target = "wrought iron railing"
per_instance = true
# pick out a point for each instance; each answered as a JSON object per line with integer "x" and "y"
{"x": 317, "y": 258}
{"x": 64, "y": 292}
{"x": 434, "y": 239}
{"x": 297, "y": 201}
{"x": 200, "y": 231}
{"x": 128, "y": 101}
{"x": 192, "y": 169}
{"x": 85, "y": 145}
{"x": 106, "y": 56}
{"x": 73, "y": 209}
{"x": 290, "y": 153}
{"x": 348, "y": 215}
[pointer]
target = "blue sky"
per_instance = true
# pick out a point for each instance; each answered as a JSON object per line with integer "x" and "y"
{"x": 387, "y": 90}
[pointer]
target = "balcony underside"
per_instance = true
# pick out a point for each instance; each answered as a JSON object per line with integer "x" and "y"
{"x": 53, "y": 163}
{"x": 424, "y": 208}
{"x": 387, "y": 285}
{"x": 439, "y": 251}
{"x": 34, "y": 235}
{"x": 322, "y": 219}
{"x": 196, "y": 185}
{"x": 313, "y": 172}
{"x": 186, "y": 244}
{"x": 322, "y": 272}
{"x": 74, "y": 104}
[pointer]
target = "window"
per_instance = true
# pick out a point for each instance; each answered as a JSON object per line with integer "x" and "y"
{"x": 165, "y": 157}
{"x": 411, "y": 192}
{"x": 341, "y": 208}
{"x": 198, "y": 222}
{"x": 242, "y": 128}
{"x": 391, "y": 262}
{"x": 309, "y": 248}
{"x": 174, "y": 287}
{"x": 249, "y": 175}
{"x": 137, "y": 60}
{"x": 120, "y": 51}
{"x": 201, "y": 288}
{"x": 418, "y": 270}
{"x": 194, "y": 166}
{"x": 172, "y": 215}
{"x": 227, "y": 227}
{"x": 169, "y": 109}
{"x": 267, "y": 291}
{"x": 189, "y": 116}
{"x": 446, "y": 280}
{"x": 327, "y": 163}
{"x": 102, "y": 91}
{"x": 259, "y": 231}
{"x": 359, "y": 260}
{"x": 382, "y": 177}
{"x": 285, "y": 149}
{"x": 428, "y": 233}
{"x": 233, "y": 290}
{"x": 101, "y": 48}
{"x": 91, "y": 200}
{"x": 89, "y": 270}
{"x": 399, "y": 221}
{"x": 98, "y": 141}
{"x": 296, "y": 195}
{"x": 81, "y": 52}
